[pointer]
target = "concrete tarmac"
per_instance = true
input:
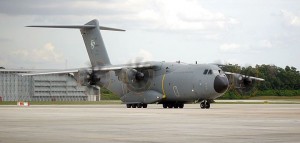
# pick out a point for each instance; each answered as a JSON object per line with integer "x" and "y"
{"x": 115, "y": 123}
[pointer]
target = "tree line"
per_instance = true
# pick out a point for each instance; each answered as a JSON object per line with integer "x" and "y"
{"x": 278, "y": 81}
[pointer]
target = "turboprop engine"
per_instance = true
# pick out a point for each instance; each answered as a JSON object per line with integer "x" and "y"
{"x": 136, "y": 80}
{"x": 87, "y": 77}
{"x": 242, "y": 83}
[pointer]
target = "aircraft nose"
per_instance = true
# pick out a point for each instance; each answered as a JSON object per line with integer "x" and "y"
{"x": 221, "y": 84}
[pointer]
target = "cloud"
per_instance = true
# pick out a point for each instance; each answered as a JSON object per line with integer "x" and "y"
{"x": 38, "y": 55}
{"x": 291, "y": 18}
{"x": 146, "y": 55}
{"x": 229, "y": 47}
{"x": 3, "y": 62}
{"x": 142, "y": 56}
{"x": 173, "y": 15}
{"x": 265, "y": 44}
{"x": 142, "y": 14}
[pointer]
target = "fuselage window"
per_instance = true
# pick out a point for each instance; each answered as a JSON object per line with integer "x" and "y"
{"x": 205, "y": 71}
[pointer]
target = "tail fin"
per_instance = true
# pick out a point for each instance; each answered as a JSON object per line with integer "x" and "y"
{"x": 92, "y": 39}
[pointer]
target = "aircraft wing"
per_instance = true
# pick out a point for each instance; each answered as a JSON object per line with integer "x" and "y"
{"x": 251, "y": 77}
{"x": 46, "y": 72}
{"x": 119, "y": 67}
{"x": 100, "y": 68}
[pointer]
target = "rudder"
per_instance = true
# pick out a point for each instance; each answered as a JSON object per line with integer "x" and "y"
{"x": 94, "y": 44}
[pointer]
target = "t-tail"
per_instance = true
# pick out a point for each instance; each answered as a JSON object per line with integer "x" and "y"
{"x": 92, "y": 39}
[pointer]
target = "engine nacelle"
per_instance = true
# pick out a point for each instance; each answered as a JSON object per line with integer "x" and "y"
{"x": 127, "y": 75}
{"x": 136, "y": 80}
{"x": 242, "y": 83}
{"x": 82, "y": 77}
{"x": 86, "y": 78}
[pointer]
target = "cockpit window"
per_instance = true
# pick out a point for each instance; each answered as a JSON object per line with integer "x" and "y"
{"x": 205, "y": 71}
{"x": 216, "y": 71}
{"x": 210, "y": 72}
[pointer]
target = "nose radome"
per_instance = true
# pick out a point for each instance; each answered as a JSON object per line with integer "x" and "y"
{"x": 221, "y": 84}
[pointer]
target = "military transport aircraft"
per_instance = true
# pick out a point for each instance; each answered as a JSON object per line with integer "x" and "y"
{"x": 171, "y": 84}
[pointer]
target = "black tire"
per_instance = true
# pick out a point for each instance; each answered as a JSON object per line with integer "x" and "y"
{"x": 176, "y": 105}
{"x": 202, "y": 105}
{"x": 170, "y": 105}
{"x": 181, "y": 105}
{"x": 128, "y": 105}
{"x": 133, "y": 105}
{"x": 207, "y": 106}
{"x": 139, "y": 105}
{"x": 145, "y": 105}
{"x": 165, "y": 105}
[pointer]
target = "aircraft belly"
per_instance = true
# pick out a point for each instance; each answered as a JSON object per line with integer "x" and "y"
{"x": 149, "y": 96}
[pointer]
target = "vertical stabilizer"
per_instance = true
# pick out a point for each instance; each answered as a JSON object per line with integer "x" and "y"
{"x": 94, "y": 44}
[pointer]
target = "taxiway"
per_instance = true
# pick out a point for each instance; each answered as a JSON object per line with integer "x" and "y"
{"x": 115, "y": 123}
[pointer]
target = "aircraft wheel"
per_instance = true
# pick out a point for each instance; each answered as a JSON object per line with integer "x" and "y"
{"x": 128, "y": 105}
{"x": 181, "y": 105}
{"x": 133, "y": 105}
{"x": 207, "y": 105}
{"x": 202, "y": 105}
{"x": 165, "y": 105}
{"x": 139, "y": 105}
{"x": 170, "y": 105}
{"x": 145, "y": 105}
{"x": 176, "y": 105}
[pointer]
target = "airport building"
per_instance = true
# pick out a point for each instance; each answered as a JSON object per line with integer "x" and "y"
{"x": 54, "y": 87}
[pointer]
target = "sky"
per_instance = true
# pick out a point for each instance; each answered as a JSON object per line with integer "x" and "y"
{"x": 240, "y": 32}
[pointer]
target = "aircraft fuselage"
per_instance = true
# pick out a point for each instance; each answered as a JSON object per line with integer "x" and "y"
{"x": 171, "y": 82}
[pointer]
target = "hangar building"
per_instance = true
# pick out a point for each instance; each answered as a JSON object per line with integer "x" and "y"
{"x": 54, "y": 87}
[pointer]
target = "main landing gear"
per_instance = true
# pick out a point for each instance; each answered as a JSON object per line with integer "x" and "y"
{"x": 205, "y": 104}
{"x": 173, "y": 105}
{"x": 140, "y": 105}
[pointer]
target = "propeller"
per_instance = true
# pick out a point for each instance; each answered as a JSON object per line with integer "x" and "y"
{"x": 242, "y": 84}
{"x": 139, "y": 75}
{"x": 93, "y": 77}
{"x": 136, "y": 79}
{"x": 88, "y": 77}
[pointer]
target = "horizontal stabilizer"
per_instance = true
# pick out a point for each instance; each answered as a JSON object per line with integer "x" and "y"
{"x": 76, "y": 27}
{"x": 64, "y": 26}
{"x": 111, "y": 29}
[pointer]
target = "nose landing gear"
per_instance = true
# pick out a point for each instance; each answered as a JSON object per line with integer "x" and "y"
{"x": 205, "y": 104}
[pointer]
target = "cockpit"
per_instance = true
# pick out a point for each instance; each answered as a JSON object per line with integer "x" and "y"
{"x": 211, "y": 71}
{"x": 221, "y": 82}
